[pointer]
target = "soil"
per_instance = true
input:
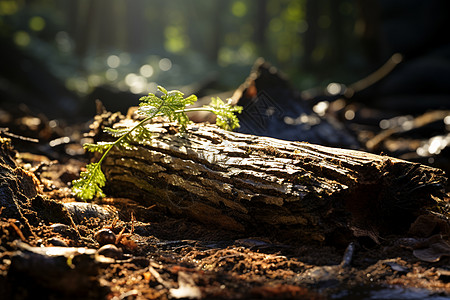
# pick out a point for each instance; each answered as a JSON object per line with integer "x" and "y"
{"x": 53, "y": 249}
{"x": 159, "y": 257}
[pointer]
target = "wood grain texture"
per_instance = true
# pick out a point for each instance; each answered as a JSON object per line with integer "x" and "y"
{"x": 264, "y": 185}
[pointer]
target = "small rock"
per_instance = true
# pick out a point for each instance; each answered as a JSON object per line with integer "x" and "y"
{"x": 110, "y": 251}
{"x": 57, "y": 242}
{"x": 60, "y": 228}
{"x": 105, "y": 236}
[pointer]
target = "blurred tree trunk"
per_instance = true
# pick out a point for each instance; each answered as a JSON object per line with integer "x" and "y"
{"x": 136, "y": 26}
{"x": 261, "y": 24}
{"x": 196, "y": 30}
{"x": 71, "y": 10}
{"x": 310, "y": 36}
{"x": 337, "y": 36}
{"x": 217, "y": 30}
{"x": 108, "y": 16}
{"x": 156, "y": 22}
{"x": 368, "y": 29}
{"x": 84, "y": 27}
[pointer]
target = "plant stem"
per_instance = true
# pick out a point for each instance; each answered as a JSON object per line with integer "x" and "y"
{"x": 125, "y": 135}
{"x": 156, "y": 113}
{"x": 128, "y": 133}
{"x": 188, "y": 110}
{"x": 195, "y": 109}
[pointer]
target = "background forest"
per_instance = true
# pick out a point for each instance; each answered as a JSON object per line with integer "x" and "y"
{"x": 132, "y": 45}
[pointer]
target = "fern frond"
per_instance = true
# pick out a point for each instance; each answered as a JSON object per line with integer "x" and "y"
{"x": 90, "y": 183}
{"x": 226, "y": 113}
{"x": 171, "y": 104}
{"x": 147, "y": 110}
{"x": 116, "y": 132}
{"x": 142, "y": 134}
{"x": 100, "y": 147}
{"x": 126, "y": 142}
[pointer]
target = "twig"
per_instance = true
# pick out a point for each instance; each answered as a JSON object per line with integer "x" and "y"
{"x": 17, "y": 229}
{"x": 5, "y": 131}
{"x": 376, "y": 76}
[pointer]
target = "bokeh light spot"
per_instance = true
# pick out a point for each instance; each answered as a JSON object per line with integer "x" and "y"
{"x": 239, "y": 9}
{"x": 37, "y": 23}
{"x": 146, "y": 71}
{"x": 130, "y": 79}
{"x": 165, "y": 64}
{"x": 275, "y": 25}
{"x": 137, "y": 84}
{"x": 62, "y": 40}
{"x": 125, "y": 58}
{"x": 22, "y": 38}
{"x": 94, "y": 80}
{"x": 8, "y": 7}
{"x": 113, "y": 61}
{"x": 111, "y": 74}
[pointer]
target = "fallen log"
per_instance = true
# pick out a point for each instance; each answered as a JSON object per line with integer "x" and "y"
{"x": 262, "y": 185}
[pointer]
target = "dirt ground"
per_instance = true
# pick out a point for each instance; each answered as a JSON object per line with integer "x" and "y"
{"x": 53, "y": 247}
{"x": 159, "y": 257}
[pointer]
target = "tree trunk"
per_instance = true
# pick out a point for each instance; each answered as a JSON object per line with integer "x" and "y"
{"x": 262, "y": 185}
{"x": 311, "y": 35}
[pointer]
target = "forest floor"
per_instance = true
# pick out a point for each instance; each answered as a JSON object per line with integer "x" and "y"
{"x": 57, "y": 248}
{"x": 160, "y": 257}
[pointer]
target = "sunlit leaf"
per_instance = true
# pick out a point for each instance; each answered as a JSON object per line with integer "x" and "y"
{"x": 90, "y": 183}
{"x": 226, "y": 113}
{"x": 99, "y": 147}
{"x": 116, "y": 132}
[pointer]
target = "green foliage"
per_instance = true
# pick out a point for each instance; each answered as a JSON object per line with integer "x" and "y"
{"x": 99, "y": 147}
{"x": 170, "y": 104}
{"x": 90, "y": 183}
{"x": 226, "y": 114}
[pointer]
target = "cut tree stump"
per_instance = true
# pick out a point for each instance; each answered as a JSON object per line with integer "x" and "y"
{"x": 261, "y": 185}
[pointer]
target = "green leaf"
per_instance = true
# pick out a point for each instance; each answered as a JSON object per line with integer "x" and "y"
{"x": 90, "y": 183}
{"x": 226, "y": 113}
{"x": 99, "y": 147}
{"x": 171, "y": 104}
{"x": 147, "y": 110}
{"x": 142, "y": 135}
{"x": 162, "y": 89}
{"x": 126, "y": 142}
{"x": 116, "y": 132}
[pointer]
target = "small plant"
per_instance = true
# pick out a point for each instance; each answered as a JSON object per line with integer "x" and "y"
{"x": 171, "y": 104}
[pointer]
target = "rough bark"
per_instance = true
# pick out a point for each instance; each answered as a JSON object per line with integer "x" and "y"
{"x": 263, "y": 185}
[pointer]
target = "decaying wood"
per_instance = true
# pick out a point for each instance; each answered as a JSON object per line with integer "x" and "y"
{"x": 264, "y": 185}
{"x": 17, "y": 186}
{"x": 21, "y": 195}
{"x": 272, "y": 107}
